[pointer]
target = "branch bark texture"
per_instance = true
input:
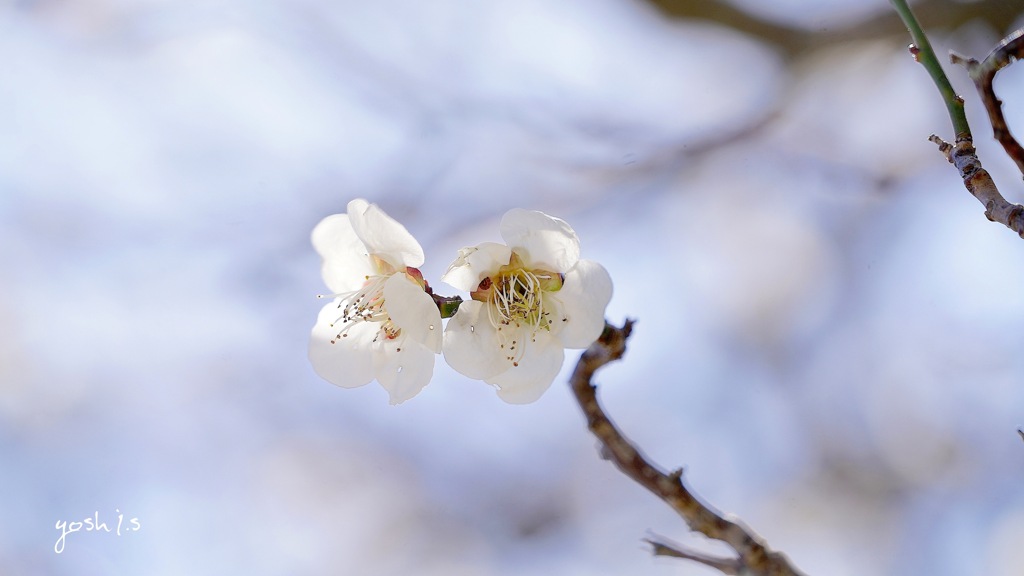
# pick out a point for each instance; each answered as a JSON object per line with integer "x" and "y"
{"x": 979, "y": 183}
{"x": 753, "y": 557}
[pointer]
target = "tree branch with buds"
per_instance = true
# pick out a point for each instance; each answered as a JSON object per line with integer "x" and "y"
{"x": 962, "y": 153}
{"x": 753, "y": 557}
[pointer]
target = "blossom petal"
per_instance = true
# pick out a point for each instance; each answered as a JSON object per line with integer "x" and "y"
{"x": 403, "y": 368}
{"x": 346, "y": 263}
{"x": 535, "y": 372}
{"x": 413, "y": 310}
{"x": 542, "y": 241}
{"x": 383, "y": 236}
{"x": 348, "y": 362}
{"x": 476, "y": 263}
{"x": 554, "y": 312}
{"x": 585, "y": 294}
{"x": 471, "y": 343}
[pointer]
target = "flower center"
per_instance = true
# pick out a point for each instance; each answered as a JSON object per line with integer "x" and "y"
{"x": 365, "y": 305}
{"x": 515, "y": 298}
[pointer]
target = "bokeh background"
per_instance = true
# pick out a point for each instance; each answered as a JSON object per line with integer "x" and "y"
{"x": 829, "y": 334}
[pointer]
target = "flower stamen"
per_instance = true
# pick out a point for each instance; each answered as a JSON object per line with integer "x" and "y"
{"x": 365, "y": 305}
{"x": 515, "y": 299}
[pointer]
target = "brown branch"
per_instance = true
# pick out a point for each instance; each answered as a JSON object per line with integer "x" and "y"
{"x": 753, "y": 555}
{"x": 980, "y": 184}
{"x": 983, "y": 73}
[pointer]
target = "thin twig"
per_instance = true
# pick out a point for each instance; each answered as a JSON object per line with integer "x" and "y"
{"x": 753, "y": 555}
{"x": 983, "y": 73}
{"x": 661, "y": 547}
{"x": 922, "y": 51}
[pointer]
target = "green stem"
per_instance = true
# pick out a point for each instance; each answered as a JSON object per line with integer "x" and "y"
{"x": 447, "y": 305}
{"x": 926, "y": 57}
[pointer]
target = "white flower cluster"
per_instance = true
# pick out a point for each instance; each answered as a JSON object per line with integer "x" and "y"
{"x": 529, "y": 300}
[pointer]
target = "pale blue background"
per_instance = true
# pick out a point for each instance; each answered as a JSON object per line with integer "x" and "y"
{"x": 829, "y": 332}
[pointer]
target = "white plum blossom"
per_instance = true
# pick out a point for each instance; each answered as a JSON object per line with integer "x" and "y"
{"x": 531, "y": 299}
{"x": 381, "y": 324}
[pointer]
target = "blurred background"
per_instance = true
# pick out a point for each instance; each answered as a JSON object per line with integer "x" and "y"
{"x": 829, "y": 329}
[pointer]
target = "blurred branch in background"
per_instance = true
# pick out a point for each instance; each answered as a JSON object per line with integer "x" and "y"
{"x": 798, "y": 44}
{"x": 962, "y": 153}
{"x": 753, "y": 557}
{"x": 794, "y": 40}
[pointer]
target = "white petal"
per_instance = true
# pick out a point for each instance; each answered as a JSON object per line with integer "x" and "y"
{"x": 413, "y": 310}
{"x": 476, "y": 263}
{"x": 348, "y": 362}
{"x": 471, "y": 344}
{"x": 383, "y": 236}
{"x": 346, "y": 262}
{"x": 403, "y": 368}
{"x": 585, "y": 294}
{"x": 542, "y": 241}
{"x": 554, "y": 310}
{"x": 536, "y": 371}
